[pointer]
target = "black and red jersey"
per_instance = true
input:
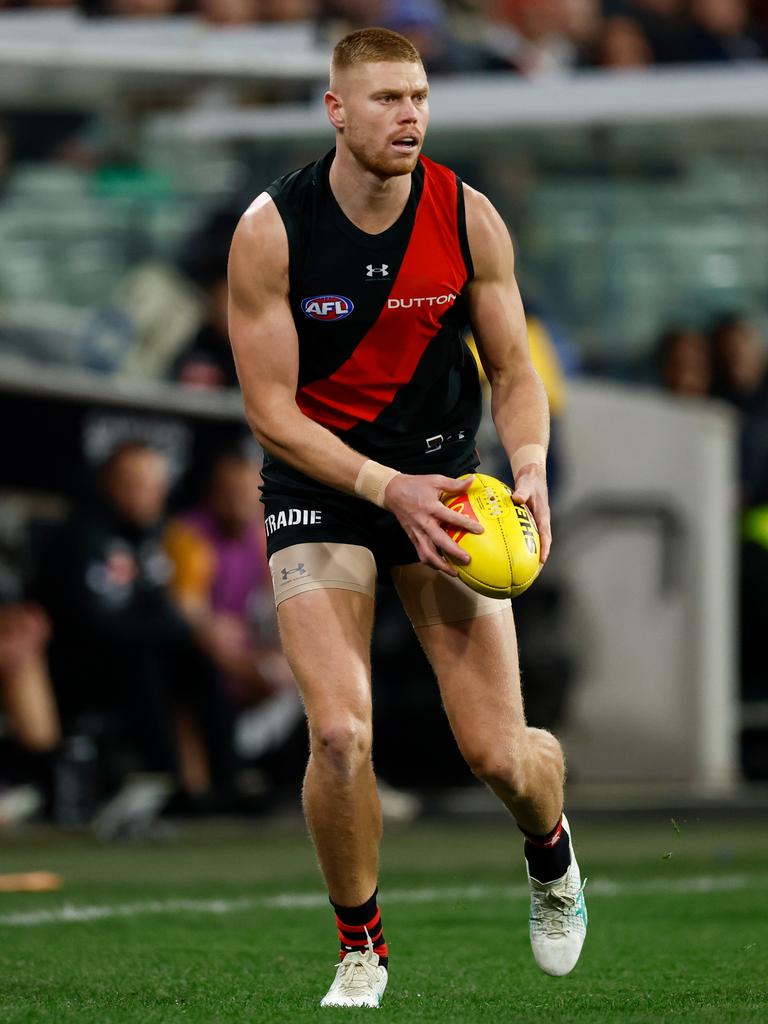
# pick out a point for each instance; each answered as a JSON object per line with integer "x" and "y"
{"x": 380, "y": 321}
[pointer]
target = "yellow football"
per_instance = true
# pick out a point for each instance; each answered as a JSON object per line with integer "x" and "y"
{"x": 505, "y": 557}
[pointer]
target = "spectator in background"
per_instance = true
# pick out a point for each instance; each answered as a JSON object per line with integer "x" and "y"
{"x": 130, "y": 8}
{"x": 119, "y": 645}
{"x": 660, "y": 24}
{"x": 229, "y": 12}
{"x": 721, "y": 30}
{"x": 287, "y": 10}
{"x": 207, "y": 361}
{"x": 341, "y": 16}
{"x": 684, "y": 362}
{"x": 426, "y": 24}
{"x": 221, "y": 579}
{"x": 541, "y": 36}
{"x": 741, "y": 378}
{"x": 222, "y": 585}
{"x": 741, "y": 364}
{"x": 622, "y": 43}
{"x": 30, "y": 710}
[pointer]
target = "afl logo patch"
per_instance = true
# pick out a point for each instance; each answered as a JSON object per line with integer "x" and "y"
{"x": 327, "y": 307}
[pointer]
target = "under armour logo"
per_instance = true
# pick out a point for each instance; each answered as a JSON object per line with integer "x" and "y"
{"x": 299, "y": 570}
{"x": 382, "y": 271}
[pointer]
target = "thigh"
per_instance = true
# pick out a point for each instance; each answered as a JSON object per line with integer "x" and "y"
{"x": 322, "y": 565}
{"x": 476, "y": 664}
{"x": 326, "y": 637}
{"x": 431, "y": 598}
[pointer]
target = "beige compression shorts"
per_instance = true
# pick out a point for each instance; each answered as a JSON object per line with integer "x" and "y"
{"x": 428, "y": 596}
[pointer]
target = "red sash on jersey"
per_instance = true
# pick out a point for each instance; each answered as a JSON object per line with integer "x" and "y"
{"x": 430, "y": 280}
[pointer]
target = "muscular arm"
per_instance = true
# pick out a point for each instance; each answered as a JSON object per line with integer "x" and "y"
{"x": 266, "y": 352}
{"x": 518, "y": 400}
{"x": 266, "y": 349}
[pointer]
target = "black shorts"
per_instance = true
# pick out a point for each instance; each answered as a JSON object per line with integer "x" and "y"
{"x": 337, "y": 518}
{"x": 296, "y": 515}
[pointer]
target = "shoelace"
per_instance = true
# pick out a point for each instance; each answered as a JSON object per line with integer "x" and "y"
{"x": 356, "y": 975}
{"x": 553, "y": 909}
{"x": 357, "y": 971}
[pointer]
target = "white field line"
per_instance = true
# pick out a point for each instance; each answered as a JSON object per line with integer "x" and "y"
{"x": 73, "y": 914}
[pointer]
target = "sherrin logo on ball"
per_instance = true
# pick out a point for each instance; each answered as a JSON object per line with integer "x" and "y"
{"x": 327, "y": 307}
{"x": 505, "y": 557}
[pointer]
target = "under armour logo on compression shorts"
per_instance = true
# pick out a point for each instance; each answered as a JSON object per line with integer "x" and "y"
{"x": 287, "y": 574}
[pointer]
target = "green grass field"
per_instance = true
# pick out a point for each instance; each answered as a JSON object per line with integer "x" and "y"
{"x": 230, "y": 924}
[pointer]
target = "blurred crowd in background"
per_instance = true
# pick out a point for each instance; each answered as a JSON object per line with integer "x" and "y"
{"x": 140, "y": 669}
{"x": 730, "y": 363}
{"x": 527, "y": 36}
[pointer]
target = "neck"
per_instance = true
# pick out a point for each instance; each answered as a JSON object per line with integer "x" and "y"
{"x": 372, "y": 203}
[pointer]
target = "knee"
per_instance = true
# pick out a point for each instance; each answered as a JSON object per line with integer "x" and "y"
{"x": 517, "y": 767}
{"x": 342, "y": 746}
{"x": 500, "y": 770}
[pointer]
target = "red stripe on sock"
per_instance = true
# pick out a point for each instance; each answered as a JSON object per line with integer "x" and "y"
{"x": 546, "y": 842}
{"x": 359, "y": 927}
{"x": 362, "y": 942}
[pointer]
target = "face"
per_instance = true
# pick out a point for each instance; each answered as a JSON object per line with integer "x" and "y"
{"x": 137, "y": 486}
{"x": 723, "y": 17}
{"x": 234, "y": 495}
{"x": 742, "y": 356}
{"x": 624, "y": 45}
{"x": 687, "y": 368}
{"x": 380, "y": 112}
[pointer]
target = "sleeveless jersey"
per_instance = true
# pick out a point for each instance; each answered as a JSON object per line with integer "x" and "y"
{"x": 380, "y": 322}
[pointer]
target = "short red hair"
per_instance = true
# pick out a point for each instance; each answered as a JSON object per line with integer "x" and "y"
{"x": 370, "y": 46}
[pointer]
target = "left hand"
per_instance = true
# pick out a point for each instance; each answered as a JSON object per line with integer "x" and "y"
{"x": 531, "y": 490}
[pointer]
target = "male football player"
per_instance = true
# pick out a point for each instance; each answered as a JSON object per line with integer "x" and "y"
{"x": 351, "y": 283}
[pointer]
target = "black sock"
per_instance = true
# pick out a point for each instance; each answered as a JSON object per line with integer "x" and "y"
{"x": 352, "y": 923}
{"x": 548, "y": 856}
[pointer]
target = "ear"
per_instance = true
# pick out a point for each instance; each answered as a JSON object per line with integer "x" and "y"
{"x": 335, "y": 109}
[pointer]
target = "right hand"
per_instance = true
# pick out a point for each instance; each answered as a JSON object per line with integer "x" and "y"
{"x": 415, "y": 500}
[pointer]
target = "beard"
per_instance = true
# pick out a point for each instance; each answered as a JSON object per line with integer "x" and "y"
{"x": 380, "y": 160}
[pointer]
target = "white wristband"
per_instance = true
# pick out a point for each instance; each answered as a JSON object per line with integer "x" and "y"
{"x": 372, "y": 481}
{"x": 528, "y": 454}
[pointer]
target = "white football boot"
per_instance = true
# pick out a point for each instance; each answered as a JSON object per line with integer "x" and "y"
{"x": 558, "y": 922}
{"x": 359, "y": 981}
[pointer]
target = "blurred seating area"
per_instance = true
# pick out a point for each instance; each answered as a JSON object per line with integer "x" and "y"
{"x": 140, "y": 669}
{"x": 527, "y": 36}
{"x": 101, "y": 205}
{"x": 113, "y": 256}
